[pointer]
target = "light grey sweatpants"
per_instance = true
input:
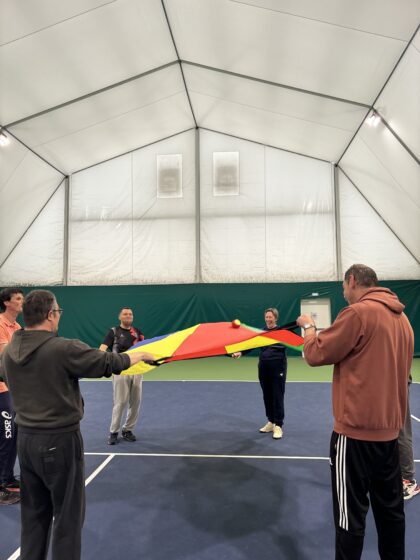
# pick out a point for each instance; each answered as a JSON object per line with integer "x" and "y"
{"x": 405, "y": 444}
{"x": 127, "y": 392}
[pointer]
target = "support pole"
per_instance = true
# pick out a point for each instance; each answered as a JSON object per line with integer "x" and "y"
{"x": 337, "y": 221}
{"x": 66, "y": 231}
{"x": 198, "y": 277}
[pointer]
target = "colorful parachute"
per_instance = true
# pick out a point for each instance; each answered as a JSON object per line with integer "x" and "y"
{"x": 209, "y": 339}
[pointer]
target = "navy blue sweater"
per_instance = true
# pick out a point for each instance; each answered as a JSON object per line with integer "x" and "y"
{"x": 273, "y": 352}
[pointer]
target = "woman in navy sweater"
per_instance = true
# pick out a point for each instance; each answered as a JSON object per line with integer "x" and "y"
{"x": 272, "y": 370}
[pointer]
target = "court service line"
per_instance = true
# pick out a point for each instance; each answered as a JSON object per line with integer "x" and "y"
{"x": 95, "y": 473}
{"x": 208, "y": 456}
{"x": 415, "y": 418}
{"x": 15, "y": 555}
{"x": 223, "y": 381}
{"x": 213, "y": 380}
{"x": 100, "y": 468}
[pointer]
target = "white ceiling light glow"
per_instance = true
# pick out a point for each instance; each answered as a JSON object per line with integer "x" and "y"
{"x": 373, "y": 119}
{"x": 4, "y": 140}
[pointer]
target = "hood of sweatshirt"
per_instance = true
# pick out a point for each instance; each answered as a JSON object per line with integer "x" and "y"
{"x": 384, "y": 296}
{"x": 25, "y": 343}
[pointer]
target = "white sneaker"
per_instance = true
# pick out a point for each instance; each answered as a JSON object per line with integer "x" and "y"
{"x": 277, "y": 432}
{"x": 410, "y": 489}
{"x": 267, "y": 428}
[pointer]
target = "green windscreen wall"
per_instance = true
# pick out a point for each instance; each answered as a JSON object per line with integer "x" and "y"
{"x": 89, "y": 311}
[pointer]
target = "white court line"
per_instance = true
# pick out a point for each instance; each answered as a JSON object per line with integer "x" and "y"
{"x": 202, "y": 456}
{"x": 100, "y": 468}
{"x": 229, "y": 381}
{"x": 216, "y": 380}
{"x": 95, "y": 473}
{"x": 109, "y": 458}
{"x": 15, "y": 555}
{"x": 196, "y": 456}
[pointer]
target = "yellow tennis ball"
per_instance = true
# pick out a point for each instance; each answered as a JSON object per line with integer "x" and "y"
{"x": 236, "y": 323}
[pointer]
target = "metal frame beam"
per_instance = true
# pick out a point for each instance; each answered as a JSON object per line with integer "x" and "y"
{"x": 275, "y": 84}
{"x": 372, "y": 106}
{"x": 398, "y": 138}
{"x": 179, "y": 61}
{"x": 66, "y": 231}
{"x": 33, "y": 151}
{"x": 92, "y": 94}
{"x": 133, "y": 150}
{"x": 265, "y": 145}
{"x": 198, "y": 275}
{"x": 32, "y": 222}
{"x": 337, "y": 221}
{"x": 378, "y": 214}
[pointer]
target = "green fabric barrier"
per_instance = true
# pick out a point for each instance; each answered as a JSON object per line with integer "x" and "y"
{"x": 89, "y": 311}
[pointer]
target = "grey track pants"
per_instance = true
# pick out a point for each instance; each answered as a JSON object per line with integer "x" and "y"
{"x": 405, "y": 444}
{"x": 127, "y": 392}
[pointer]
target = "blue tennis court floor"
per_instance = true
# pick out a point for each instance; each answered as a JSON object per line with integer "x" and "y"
{"x": 201, "y": 483}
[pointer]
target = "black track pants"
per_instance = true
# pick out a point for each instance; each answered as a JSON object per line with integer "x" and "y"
{"x": 8, "y": 438}
{"x": 359, "y": 470}
{"x": 52, "y": 486}
{"x": 272, "y": 377}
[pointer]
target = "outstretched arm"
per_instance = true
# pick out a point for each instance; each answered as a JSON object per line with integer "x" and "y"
{"x": 136, "y": 357}
{"x": 332, "y": 345}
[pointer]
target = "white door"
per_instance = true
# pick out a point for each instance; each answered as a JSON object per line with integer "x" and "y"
{"x": 319, "y": 309}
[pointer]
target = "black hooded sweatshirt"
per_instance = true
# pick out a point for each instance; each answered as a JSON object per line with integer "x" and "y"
{"x": 42, "y": 371}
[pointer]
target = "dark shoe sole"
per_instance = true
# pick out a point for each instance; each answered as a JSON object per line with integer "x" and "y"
{"x": 10, "y": 501}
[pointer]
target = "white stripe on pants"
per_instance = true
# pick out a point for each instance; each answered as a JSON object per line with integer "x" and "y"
{"x": 340, "y": 470}
{"x": 127, "y": 391}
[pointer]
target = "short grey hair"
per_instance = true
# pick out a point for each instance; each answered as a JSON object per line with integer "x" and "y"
{"x": 363, "y": 275}
{"x": 272, "y": 310}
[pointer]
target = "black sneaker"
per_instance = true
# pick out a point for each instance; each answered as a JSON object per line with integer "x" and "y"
{"x": 8, "y": 498}
{"x": 113, "y": 439}
{"x": 129, "y": 436}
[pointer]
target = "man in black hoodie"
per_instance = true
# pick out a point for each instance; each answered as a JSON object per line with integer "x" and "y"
{"x": 42, "y": 371}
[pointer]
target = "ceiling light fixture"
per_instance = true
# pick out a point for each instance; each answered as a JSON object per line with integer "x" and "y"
{"x": 373, "y": 118}
{"x": 4, "y": 140}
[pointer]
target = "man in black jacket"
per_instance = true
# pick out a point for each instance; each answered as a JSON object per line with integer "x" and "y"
{"x": 42, "y": 371}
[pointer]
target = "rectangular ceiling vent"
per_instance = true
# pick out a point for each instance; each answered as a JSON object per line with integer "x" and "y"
{"x": 225, "y": 173}
{"x": 169, "y": 176}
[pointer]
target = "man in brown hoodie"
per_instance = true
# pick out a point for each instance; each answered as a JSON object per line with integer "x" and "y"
{"x": 371, "y": 345}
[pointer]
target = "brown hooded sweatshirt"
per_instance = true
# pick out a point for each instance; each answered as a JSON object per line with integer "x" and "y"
{"x": 371, "y": 345}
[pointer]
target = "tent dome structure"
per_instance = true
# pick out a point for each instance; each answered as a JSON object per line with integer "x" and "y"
{"x": 182, "y": 141}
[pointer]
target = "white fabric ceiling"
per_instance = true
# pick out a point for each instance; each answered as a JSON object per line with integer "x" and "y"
{"x": 88, "y": 81}
{"x": 55, "y": 53}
